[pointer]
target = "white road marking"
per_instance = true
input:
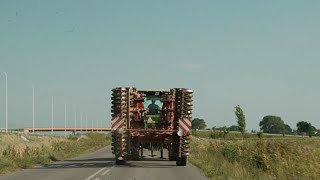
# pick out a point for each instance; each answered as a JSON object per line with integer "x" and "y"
{"x": 106, "y": 172}
{"x": 93, "y": 175}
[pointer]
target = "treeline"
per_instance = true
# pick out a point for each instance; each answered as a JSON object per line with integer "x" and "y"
{"x": 269, "y": 124}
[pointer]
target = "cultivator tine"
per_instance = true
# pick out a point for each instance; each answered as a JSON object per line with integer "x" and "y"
{"x": 188, "y": 95}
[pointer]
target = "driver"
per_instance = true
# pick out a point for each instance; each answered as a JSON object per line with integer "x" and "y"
{"x": 153, "y": 107}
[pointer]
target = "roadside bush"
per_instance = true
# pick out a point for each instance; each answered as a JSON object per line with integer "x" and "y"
{"x": 230, "y": 152}
{"x": 260, "y": 134}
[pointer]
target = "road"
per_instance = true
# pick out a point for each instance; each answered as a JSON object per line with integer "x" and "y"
{"x": 100, "y": 165}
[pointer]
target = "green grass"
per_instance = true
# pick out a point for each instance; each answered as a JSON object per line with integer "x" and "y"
{"x": 257, "y": 158}
{"x": 237, "y": 135}
{"x": 24, "y": 155}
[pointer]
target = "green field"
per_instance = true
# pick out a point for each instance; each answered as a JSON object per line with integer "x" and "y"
{"x": 232, "y": 135}
{"x": 252, "y": 158}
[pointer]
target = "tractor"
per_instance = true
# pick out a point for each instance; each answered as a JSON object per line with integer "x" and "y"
{"x": 151, "y": 119}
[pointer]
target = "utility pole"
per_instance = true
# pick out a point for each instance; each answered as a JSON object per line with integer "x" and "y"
{"x": 6, "y": 78}
{"x": 65, "y": 120}
{"x": 32, "y": 108}
{"x": 101, "y": 125}
{"x": 97, "y": 125}
{"x": 81, "y": 123}
{"x": 52, "y": 116}
{"x": 75, "y": 120}
{"x": 86, "y": 122}
{"x": 92, "y": 124}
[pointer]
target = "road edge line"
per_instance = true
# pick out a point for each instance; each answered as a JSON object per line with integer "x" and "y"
{"x": 93, "y": 175}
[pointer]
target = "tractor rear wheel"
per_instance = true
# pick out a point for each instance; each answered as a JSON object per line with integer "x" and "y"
{"x": 135, "y": 149}
{"x": 182, "y": 161}
{"x": 172, "y": 155}
{"x": 120, "y": 162}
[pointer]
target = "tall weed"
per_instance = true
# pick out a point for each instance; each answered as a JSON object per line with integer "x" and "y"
{"x": 257, "y": 159}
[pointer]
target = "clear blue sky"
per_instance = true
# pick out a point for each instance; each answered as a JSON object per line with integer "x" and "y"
{"x": 262, "y": 55}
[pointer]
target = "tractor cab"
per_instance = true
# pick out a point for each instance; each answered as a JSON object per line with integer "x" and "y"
{"x": 153, "y": 105}
{"x": 152, "y": 116}
{"x": 152, "y": 102}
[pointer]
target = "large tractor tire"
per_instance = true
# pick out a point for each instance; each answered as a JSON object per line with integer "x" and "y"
{"x": 182, "y": 161}
{"x": 120, "y": 162}
{"x": 171, "y": 153}
{"x": 135, "y": 149}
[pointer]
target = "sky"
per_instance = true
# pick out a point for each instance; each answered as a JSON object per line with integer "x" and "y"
{"x": 261, "y": 55}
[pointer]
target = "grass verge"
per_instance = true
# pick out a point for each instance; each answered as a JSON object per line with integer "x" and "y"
{"x": 42, "y": 150}
{"x": 232, "y": 135}
{"x": 257, "y": 159}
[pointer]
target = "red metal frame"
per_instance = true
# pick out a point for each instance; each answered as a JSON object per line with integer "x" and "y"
{"x": 166, "y": 115}
{"x": 129, "y": 104}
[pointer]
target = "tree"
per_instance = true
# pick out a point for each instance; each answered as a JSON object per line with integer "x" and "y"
{"x": 287, "y": 129}
{"x": 198, "y": 124}
{"x": 272, "y": 124}
{"x": 241, "y": 119}
{"x": 234, "y": 128}
{"x": 306, "y": 127}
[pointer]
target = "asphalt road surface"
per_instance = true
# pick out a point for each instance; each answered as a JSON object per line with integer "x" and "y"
{"x": 100, "y": 165}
